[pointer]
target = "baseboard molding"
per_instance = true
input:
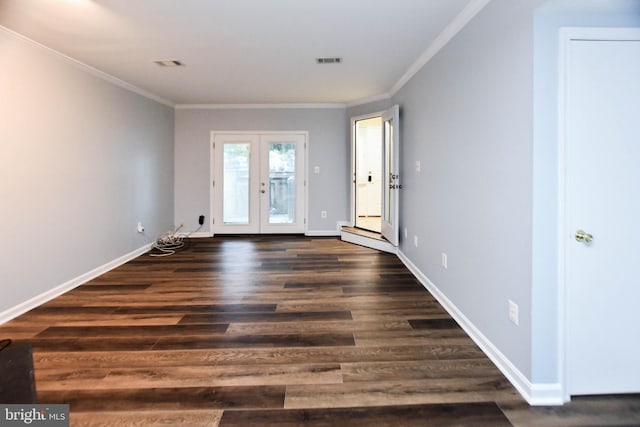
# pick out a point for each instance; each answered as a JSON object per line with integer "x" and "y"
{"x": 534, "y": 393}
{"x": 38, "y": 300}
{"x": 322, "y": 233}
{"x": 196, "y": 235}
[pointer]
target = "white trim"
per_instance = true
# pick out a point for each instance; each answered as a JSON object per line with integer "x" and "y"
{"x": 89, "y": 69}
{"x": 38, "y": 300}
{"x": 212, "y": 178}
{"x": 322, "y": 233}
{"x": 562, "y": 314}
{"x": 382, "y": 97}
{"x": 258, "y": 106}
{"x": 534, "y": 394}
{"x": 450, "y": 31}
{"x": 196, "y": 235}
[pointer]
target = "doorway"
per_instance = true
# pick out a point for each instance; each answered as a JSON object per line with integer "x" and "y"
{"x": 368, "y": 173}
{"x": 375, "y": 197}
{"x": 599, "y": 176}
{"x": 258, "y": 184}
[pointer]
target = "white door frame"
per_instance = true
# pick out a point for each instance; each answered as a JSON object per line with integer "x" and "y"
{"x": 354, "y": 161}
{"x": 212, "y": 170}
{"x": 566, "y": 36}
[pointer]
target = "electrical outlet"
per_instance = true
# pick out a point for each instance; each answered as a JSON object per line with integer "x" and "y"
{"x": 323, "y": 214}
{"x": 406, "y": 232}
{"x": 415, "y": 241}
{"x": 418, "y": 166}
{"x": 140, "y": 228}
{"x": 444, "y": 260}
{"x": 513, "y": 312}
{"x": 201, "y": 219}
{"x": 316, "y": 170}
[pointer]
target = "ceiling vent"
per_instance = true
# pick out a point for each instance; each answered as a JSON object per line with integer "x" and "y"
{"x": 329, "y": 60}
{"x": 169, "y": 63}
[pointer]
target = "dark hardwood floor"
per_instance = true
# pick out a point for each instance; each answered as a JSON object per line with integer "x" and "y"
{"x": 282, "y": 331}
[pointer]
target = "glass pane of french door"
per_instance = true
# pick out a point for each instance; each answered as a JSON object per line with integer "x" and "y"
{"x": 235, "y": 199}
{"x": 282, "y": 170}
{"x": 282, "y": 183}
{"x": 235, "y": 203}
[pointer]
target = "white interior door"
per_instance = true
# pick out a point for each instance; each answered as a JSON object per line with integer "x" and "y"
{"x": 391, "y": 175}
{"x": 602, "y": 192}
{"x": 259, "y": 183}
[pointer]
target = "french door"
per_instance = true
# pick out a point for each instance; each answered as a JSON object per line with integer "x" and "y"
{"x": 259, "y": 183}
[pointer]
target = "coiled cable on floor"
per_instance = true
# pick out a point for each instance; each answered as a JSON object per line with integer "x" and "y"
{"x": 169, "y": 242}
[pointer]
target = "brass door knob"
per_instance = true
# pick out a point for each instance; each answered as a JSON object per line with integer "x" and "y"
{"x": 583, "y": 236}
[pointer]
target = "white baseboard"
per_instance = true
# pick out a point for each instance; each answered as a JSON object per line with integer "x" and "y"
{"x": 197, "y": 235}
{"x": 322, "y": 233}
{"x": 534, "y": 393}
{"x": 38, "y": 300}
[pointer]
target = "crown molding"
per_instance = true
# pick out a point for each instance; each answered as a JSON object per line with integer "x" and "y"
{"x": 257, "y": 106}
{"x": 87, "y": 68}
{"x": 449, "y": 32}
{"x": 363, "y": 101}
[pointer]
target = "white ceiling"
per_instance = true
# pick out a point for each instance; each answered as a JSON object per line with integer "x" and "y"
{"x": 243, "y": 51}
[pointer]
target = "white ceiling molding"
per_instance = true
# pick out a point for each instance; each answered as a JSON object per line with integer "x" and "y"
{"x": 257, "y": 106}
{"x": 87, "y": 68}
{"x": 454, "y": 27}
{"x": 381, "y": 97}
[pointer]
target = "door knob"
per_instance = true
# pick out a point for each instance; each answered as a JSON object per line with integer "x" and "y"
{"x": 583, "y": 236}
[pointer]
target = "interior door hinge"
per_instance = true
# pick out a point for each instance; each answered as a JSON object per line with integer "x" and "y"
{"x": 213, "y": 183}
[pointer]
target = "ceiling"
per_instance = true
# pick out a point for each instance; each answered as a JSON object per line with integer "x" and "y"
{"x": 243, "y": 51}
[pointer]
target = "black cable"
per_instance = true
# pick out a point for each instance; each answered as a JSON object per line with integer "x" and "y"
{"x": 4, "y": 344}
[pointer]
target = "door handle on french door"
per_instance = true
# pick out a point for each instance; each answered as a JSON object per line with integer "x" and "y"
{"x": 583, "y": 236}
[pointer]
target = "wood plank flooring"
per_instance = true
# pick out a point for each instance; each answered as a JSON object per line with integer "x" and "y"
{"x": 274, "y": 330}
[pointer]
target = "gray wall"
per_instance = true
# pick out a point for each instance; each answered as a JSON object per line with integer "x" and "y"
{"x": 467, "y": 116}
{"x": 328, "y": 149}
{"x": 82, "y": 162}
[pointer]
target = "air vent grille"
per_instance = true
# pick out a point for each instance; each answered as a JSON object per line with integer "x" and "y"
{"x": 329, "y": 60}
{"x": 169, "y": 63}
